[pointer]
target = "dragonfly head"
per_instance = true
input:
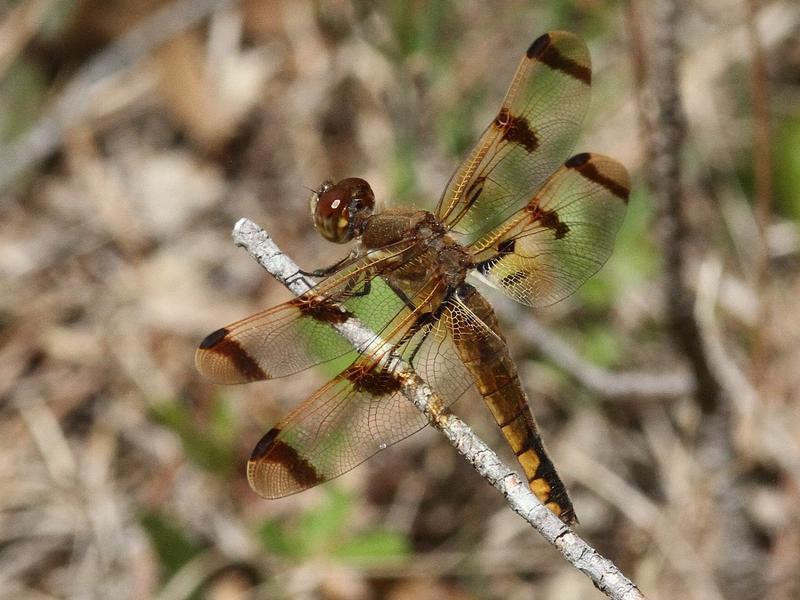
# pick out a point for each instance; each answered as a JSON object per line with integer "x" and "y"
{"x": 341, "y": 209}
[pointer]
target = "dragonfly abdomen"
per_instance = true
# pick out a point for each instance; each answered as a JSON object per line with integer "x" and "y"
{"x": 498, "y": 382}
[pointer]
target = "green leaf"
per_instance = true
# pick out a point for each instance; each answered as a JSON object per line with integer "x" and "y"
{"x": 22, "y": 94}
{"x": 324, "y": 530}
{"x": 376, "y": 544}
{"x": 277, "y": 540}
{"x": 636, "y": 255}
{"x": 787, "y": 168}
{"x": 601, "y": 346}
{"x": 321, "y": 529}
{"x": 598, "y": 292}
{"x": 422, "y": 28}
{"x": 316, "y": 531}
{"x": 211, "y": 446}
{"x": 173, "y": 547}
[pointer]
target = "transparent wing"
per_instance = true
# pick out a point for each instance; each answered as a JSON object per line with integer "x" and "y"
{"x": 360, "y": 412}
{"x": 562, "y": 237}
{"x": 534, "y": 132}
{"x": 300, "y": 333}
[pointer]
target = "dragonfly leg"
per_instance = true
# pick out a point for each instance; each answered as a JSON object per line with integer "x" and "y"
{"x": 325, "y": 271}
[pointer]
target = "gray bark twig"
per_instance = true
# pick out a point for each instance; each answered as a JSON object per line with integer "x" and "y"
{"x": 668, "y": 129}
{"x": 739, "y": 575}
{"x": 605, "y": 575}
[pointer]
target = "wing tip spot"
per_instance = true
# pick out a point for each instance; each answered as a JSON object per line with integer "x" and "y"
{"x": 213, "y": 338}
{"x": 538, "y": 45}
{"x": 264, "y": 444}
{"x": 545, "y": 49}
{"x": 603, "y": 171}
{"x": 223, "y": 360}
{"x": 578, "y": 160}
{"x": 273, "y": 462}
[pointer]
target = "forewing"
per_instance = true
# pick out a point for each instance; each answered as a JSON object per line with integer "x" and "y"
{"x": 301, "y": 333}
{"x": 562, "y": 237}
{"x": 359, "y": 413}
{"x": 535, "y": 130}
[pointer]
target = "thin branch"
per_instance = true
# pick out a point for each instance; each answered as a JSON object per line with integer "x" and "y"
{"x": 762, "y": 142}
{"x": 603, "y": 381}
{"x": 74, "y": 102}
{"x": 762, "y": 169}
{"x": 603, "y": 573}
{"x": 742, "y": 394}
{"x": 608, "y": 383}
{"x": 639, "y": 60}
{"x": 738, "y": 574}
{"x": 668, "y": 129}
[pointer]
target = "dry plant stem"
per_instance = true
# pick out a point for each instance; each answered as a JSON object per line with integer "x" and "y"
{"x": 762, "y": 143}
{"x": 762, "y": 168}
{"x": 611, "y": 384}
{"x": 603, "y": 573}
{"x": 638, "y": 52}
{"x": 739, "y": 575}
{"x": 666, "y": 145}
{"x": 74, "y": 102}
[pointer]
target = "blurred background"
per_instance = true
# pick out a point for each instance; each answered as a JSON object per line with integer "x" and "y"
{"x": 135, "y": 134}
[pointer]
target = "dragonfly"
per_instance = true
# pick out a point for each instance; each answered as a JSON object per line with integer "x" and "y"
{"x": 518, "y": 212}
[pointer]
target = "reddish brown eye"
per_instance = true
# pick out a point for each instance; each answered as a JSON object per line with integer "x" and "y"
{"x": 341, "y": 209}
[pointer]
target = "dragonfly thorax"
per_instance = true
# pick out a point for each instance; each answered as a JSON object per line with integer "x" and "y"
{"x": 453, "y": 263}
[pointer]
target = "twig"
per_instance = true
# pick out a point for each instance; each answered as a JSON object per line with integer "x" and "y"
{"x": 762, "y": 143}
{"x": 605, "y": 382}
{"x": 639, "y": 59}
{"x": 742, "y": 394}
{"x": 649, "y": 517}
{"x": 666, "y": 145}
{"x": 603, "y": 573}
{"x": 738, "y": 573}
{"x": 74, "y": 102}
{"x": 762, "y": 170}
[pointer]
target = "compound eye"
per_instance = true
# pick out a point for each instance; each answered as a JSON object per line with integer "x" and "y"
{"x": 341, "y": 209}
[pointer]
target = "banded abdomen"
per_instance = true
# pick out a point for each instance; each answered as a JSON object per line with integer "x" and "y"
{"x": 497, "y": 380}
